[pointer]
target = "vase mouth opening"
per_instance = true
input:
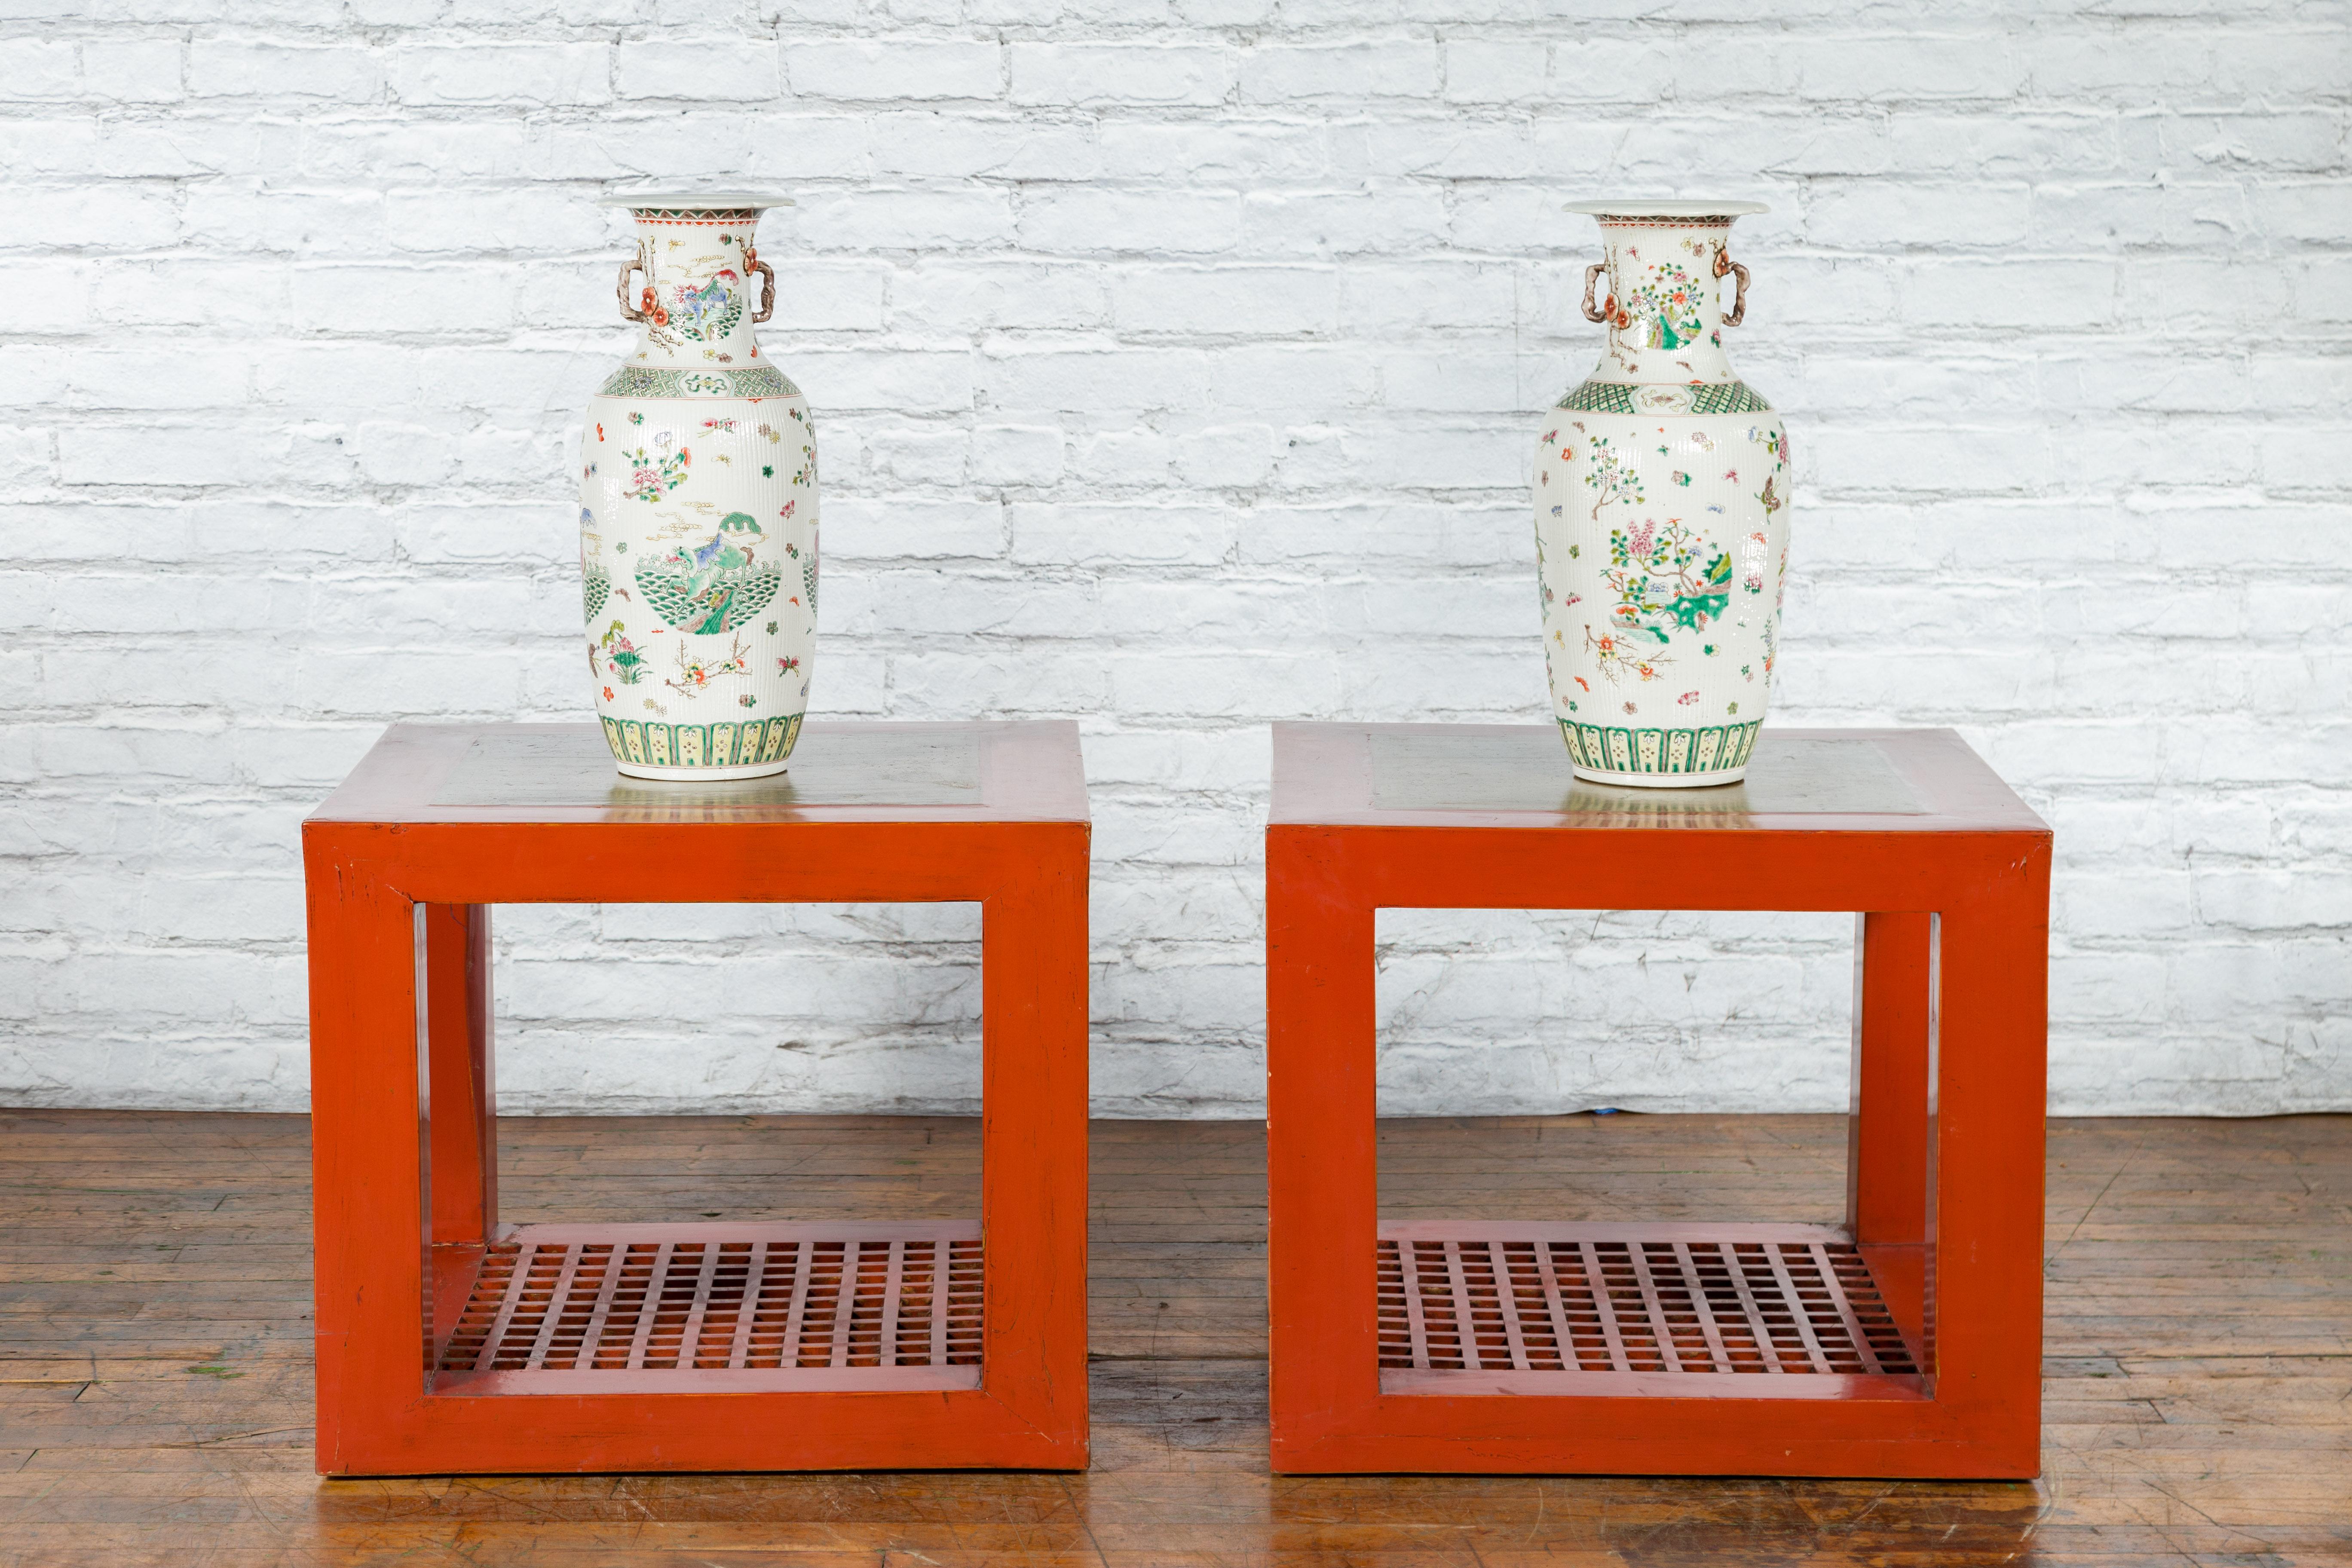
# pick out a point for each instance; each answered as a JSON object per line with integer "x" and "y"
{"x": 693, "y": 202}
{"x": 1688, "y": 212}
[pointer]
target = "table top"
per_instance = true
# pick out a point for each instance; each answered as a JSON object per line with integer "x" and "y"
{"x": 841, "y": 770}
{"x": 1518, "y": 775}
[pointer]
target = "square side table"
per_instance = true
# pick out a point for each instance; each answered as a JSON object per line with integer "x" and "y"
{"x": 450, "y": 1343}
{"x": 1905, "y": 1342}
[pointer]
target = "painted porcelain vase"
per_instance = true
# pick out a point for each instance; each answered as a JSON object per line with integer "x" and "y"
{"x": 1662, "y": 514}
{"x": 698, "y": 508}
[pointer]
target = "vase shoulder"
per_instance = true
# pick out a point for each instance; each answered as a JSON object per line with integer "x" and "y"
{"x": 1636, "y": 398}
{"x": 653, "y": 381}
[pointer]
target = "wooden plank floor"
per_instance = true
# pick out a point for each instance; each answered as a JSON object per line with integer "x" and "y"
{"x": 154, "y": 1322}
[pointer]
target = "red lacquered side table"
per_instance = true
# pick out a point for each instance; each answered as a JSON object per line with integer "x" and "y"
{"x": 449, "y": 1342}
{"x": 1905, "y": 1342}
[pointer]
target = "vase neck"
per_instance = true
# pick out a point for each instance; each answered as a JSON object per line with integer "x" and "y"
{"x": 700, "y": 290}
{"x": 1664, "y": 306}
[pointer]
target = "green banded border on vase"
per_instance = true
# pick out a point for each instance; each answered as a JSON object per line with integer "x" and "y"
{"x": 1599, "y": 397}
{"x": 1727, "y": 398}
{"x": 1702, "y": 397}
{"x": 1608, "y": 749}
{"x": 646, "y": 381}
{"x": 720, "y": 746}
{"x": 700, "y": 214}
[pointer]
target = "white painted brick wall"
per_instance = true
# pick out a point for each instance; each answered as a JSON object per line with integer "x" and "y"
{"x": 1176, "y": 364}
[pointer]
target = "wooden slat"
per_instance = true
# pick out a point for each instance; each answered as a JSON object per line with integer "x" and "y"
{"x": 1844, "y": 1304}
{"x": 1799, "y": 1313}
{"x": 553, "y": 1318}
{"x": 698, "y": 1306}
{"x": 796, "y": 1313}
{"x": 518, "y": 1285}
{"x": 1620, "y": 1357}
{"x": 738, "y": 1352}
{"x": 1416, "y": 1310}
{"x": 1700, "y": 1303}
{"x": 1765, "y": 1348}
{"x": 1556, "y": 1303}
{"x": 939, "y": 1327}
{"x": 886, "y": 1304}
{"x": 1653, "y": 1309}
{"x": 648, "y": 1308}
{"x": 601, "y": 1311}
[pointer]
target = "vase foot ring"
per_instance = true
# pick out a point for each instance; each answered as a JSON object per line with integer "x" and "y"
{"x": 700, "y": 775}
{"x": 1664, "y": 780}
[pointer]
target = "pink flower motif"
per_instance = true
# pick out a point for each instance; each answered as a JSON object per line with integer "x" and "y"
{"x": 1687, "y": 697}
{"x": 645, "y": 480}
{"x": 1639, "y": 541}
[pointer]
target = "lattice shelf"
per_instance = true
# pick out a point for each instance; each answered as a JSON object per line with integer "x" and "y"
{"x": 588, "y": 1308}
{"x": 1565, "y": 1300}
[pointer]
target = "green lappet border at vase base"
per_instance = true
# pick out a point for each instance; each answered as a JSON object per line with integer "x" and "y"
{"x": 1689, "y": 758}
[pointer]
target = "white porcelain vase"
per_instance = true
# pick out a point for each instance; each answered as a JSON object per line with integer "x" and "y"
{"x": 1662, "y": 514}
{"x": 697, "y": 508}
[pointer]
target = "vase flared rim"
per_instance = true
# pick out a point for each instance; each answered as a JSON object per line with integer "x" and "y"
{"x": 1634, "y": 208}
{"x": 692, "y": 201}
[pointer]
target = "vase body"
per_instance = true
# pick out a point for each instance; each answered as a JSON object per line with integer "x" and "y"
{"x": 1661, "y": 516}
{"x": 698, "y": 509}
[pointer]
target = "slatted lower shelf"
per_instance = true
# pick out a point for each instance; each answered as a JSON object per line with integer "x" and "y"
{"x": 633, "y": 1308}
{"x": 1620, "y": 1308}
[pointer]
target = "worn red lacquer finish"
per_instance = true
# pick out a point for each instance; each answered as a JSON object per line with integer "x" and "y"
{"x": 449, "y": 1342}
{"x": 1906, "y": 1343}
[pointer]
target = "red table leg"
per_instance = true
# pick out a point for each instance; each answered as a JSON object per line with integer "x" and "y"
{"x": 461, "y": 1107}
{"x": 1991, "y": 1100}
{"x": 370, "y": 1162}
{"x": 1889, "y": 1132}
{"x": 1887, "y": 1166}
{"x": 1034, "y": 1141}
{"x": 1321, "y": 1158}
{"x": 463, "y": 1103}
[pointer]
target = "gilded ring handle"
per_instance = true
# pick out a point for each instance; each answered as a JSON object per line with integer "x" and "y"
{"x": 1740, "y": 295}
{"x": 1592, "y": 275}
{"x": 767, "y": 287}
{"x": 620, "y": 292}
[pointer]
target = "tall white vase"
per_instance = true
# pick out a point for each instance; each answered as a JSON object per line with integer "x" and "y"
{"x": 698, "y": 508}
{"x": 1662, "y": 515}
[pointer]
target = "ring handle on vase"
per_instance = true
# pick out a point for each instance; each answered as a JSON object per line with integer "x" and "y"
{"x": 751, "y": 263}
{"x": 620, "y": 292}
{"x": 1591, "y": 275}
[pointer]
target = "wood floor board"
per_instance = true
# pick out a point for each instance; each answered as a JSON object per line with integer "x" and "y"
{"x": 155, "y": 1341}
